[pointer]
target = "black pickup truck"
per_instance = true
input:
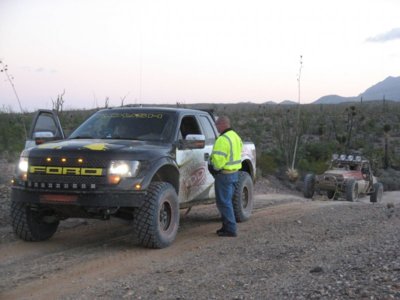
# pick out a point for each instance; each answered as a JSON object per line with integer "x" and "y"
{"x": 135, "y": 163}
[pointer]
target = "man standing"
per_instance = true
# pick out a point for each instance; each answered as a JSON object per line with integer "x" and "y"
{"x": 225, "y": 163}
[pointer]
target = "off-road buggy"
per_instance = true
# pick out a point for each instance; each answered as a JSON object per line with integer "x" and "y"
{"x": 348, "y": 177}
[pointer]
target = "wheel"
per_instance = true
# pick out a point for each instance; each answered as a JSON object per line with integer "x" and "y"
{"x": 157, "y": 220}
{"x": 308, "y": 190}
{"x": 351, "y": 190}
{"x": 30, "y": 224}
{"x": 376, "y": 195}
{"x": 330, "y": 194}
{"x": 243, "y": 197}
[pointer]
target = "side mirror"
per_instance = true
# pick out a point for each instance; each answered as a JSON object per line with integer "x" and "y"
{"x": 194, "y": 141}
{"x": 41, "y": 137}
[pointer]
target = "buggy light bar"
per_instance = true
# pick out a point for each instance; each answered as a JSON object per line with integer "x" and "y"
{"x": 344, "y": 157}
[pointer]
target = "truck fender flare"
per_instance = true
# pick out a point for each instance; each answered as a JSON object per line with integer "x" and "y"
{"x": 248, "y": 166}
{"x": 164, "y": 169}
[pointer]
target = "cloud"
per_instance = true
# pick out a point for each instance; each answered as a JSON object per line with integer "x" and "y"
{"x": 387, "y": 36}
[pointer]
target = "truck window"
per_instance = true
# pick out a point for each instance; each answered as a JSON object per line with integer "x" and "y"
{"x": 208, "y": 129}
{"x": 46, "y": 123}
{"x": 189, "y": 126}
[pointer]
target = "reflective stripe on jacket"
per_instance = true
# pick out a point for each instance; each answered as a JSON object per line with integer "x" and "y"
{"x": 227, "y": 152}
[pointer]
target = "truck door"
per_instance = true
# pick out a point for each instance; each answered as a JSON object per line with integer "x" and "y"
{"x": 45, "y": 127}
{"x": 196, "y": 182}
{"x": 211, "y": 134}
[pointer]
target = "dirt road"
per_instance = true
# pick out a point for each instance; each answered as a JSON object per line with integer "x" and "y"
{"x": 291, "y": 248}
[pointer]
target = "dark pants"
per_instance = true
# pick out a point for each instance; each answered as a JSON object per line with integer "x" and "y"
{"x": 224, "y": 189}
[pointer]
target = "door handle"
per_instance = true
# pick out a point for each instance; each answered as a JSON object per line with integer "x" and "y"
{"x": 206, "y": 156}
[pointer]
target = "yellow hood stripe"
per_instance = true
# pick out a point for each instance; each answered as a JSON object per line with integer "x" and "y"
{"x": 97, "y": 147}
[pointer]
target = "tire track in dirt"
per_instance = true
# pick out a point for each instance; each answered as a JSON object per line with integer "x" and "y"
{"x": 111, "y": 264}
{"x": 62, "y": 241}
{"x": 24, "y": 262}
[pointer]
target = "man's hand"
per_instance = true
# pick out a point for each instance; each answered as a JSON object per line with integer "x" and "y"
{"x": 212, "y": 170}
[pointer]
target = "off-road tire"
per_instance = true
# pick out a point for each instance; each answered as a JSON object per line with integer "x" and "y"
{"x": 156, "y": 222}
{"x": 376, "y": 195}
{"x": 308, "y": 189}
{"x": 243, "y": 199}
{"x": 28, "y": 223}
{"x": 351, "y": 191}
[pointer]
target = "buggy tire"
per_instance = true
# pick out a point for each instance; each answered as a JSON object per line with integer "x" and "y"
{"x": 156, "y": 222}
{"x": 243, "y": 199}
{"x": 351, "y": 191}
{"x": 308, "y": 189}
{"x": 28, "y": 223}
{"x": 376, "y": 195}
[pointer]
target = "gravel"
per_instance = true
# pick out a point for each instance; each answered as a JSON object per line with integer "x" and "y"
{"x": 292, "y": 248}
{"x": 342, "y": 252}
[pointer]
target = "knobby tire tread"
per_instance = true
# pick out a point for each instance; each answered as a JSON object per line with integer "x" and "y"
{"x": 26, "y": 227}
{"x": 241, "y": 216}
{"x": 145, "y": 229}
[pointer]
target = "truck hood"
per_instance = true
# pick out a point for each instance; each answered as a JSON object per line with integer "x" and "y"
{"x": 125, "y": 148}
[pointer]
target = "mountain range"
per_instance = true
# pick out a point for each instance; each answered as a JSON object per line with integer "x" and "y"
{"x": 388, "y": 89}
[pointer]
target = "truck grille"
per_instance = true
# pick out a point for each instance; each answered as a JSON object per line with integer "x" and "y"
{"x": 88, "y": 162}
{"x": 72, "y": 173}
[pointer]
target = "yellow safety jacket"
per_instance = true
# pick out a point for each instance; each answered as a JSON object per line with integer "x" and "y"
{"x": 227, "y": 152}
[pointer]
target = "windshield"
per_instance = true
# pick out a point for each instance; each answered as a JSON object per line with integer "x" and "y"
{"x": 126, "y": 124}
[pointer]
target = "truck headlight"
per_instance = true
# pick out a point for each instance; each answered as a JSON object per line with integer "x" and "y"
{"x": 23, "y": 166}
{"x": 122, "y": 168}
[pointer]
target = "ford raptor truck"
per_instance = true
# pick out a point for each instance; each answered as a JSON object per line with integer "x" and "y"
{"x": 135, "y": 163}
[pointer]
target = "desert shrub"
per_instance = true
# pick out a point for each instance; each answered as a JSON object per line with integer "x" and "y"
{"x": 315, "y": 157}
{"x": 266, "y": 163}
{"x": 313, "y": 166}
{"x": 390, "y": 179}
{"x": 318, "y": 151}
{"x": 12, "y": 136}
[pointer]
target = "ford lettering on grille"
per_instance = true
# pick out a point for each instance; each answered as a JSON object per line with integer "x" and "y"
{"x": 78, "y": 171}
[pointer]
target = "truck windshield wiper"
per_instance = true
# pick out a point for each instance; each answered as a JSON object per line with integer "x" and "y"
{"x": 82, "y": 137}
{"x": 117, "y": 137}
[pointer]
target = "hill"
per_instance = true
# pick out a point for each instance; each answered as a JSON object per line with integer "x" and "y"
{"x": 288, "y": 102}
{"x": 388, "y": 89}
{"x": 334, "y": 99}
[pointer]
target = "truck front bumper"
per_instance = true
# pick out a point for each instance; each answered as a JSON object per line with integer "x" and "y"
{"x": 82, "y": 199}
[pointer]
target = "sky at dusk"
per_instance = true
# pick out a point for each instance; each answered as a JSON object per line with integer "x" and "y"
{"x": 219, "y": 51}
